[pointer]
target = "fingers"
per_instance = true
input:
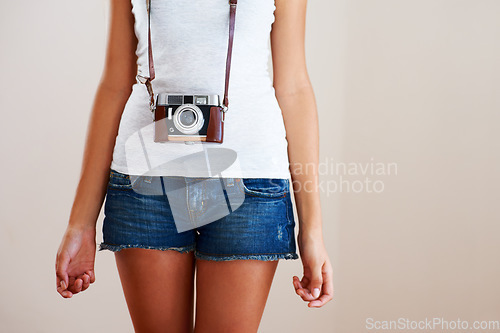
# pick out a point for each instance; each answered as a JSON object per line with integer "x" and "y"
{"x": 76, "y": 285}
{"x": 327, "y": 291}
{"x": 303, "y": 288}
{"x": 80, "y": 283}
{"x": 61, "y": 289}
{"x": 308, "y": 289}
{"x": 62, "y": 280}
{"x": 86, "y": 281}
{"x": 316, "y": 281}
{"x": 92, "y": 276}
{"x": 317, "y": 303}
{"x": 87, "y": 278}
{"x": 304, "y": 293}
{"x": 62, "y": 263}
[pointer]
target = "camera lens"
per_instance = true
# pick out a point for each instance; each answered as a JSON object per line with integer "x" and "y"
{"x": 187, "y": 118}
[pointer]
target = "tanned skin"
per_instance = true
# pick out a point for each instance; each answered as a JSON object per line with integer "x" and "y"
{"x": 159, "y": 285}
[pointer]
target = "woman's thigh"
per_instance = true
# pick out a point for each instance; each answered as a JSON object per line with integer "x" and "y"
{"x": 237, "y": 256}
{"x": 158, "y": 288}
{"x": 231, "y": 295}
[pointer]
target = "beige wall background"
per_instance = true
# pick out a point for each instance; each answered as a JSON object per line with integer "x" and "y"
{"x": 413, "y": 83}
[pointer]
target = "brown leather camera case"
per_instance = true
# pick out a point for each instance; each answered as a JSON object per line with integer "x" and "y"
{"x": 215, "y": 131}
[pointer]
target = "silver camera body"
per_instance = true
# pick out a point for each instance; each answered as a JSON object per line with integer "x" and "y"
{"x": 187, "y": 116}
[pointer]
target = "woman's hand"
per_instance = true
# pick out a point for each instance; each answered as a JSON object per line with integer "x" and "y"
{"x": 316, "y": 286}
{"x": 75, "y": 261}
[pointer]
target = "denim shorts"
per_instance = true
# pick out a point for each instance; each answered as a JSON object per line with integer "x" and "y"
{"x": 217, "y": 218}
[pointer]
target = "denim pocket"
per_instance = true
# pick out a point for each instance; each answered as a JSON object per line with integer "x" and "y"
{"x": 119, "y": 181}
{"x": 265, "y": 187}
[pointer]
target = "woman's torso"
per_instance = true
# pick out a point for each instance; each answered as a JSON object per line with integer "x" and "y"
{"x": 189, "y": 42}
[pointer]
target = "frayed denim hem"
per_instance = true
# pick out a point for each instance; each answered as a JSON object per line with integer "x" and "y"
{"x": 115, "y": 248}
{"x": 263, "y": 257}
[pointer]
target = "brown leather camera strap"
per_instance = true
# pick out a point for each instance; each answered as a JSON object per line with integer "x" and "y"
{"x": 232, "y": 18}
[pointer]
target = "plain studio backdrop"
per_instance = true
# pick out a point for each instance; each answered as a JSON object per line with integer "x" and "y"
{"x": 408, "y": 96}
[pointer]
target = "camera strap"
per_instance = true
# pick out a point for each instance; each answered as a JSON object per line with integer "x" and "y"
{"x": 147, "y": 81}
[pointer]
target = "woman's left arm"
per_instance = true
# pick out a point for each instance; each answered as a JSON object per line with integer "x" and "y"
{"x": 296, "y": 99}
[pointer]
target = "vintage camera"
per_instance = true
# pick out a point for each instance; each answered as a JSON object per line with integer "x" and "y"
{"x": 187, "y": 118}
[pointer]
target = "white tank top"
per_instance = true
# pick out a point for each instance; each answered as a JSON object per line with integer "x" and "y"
{"x": 189, "y": 42}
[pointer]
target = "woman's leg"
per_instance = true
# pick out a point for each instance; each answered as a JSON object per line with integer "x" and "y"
{"x": 159, "y": 289}
{"x": 231, "y": 295}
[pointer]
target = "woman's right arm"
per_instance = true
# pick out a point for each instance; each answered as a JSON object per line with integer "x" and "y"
{"x": 76, "y": 254}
